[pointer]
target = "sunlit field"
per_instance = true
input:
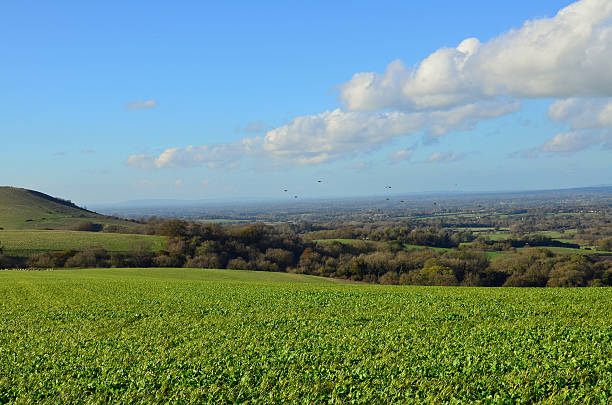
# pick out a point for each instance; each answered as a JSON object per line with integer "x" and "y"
{"x": 225, "y": 336}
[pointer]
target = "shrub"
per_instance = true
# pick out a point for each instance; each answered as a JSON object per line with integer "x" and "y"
{"x": 207, "y": 261}
{"x": 87, "y": 226}
{"x": 94, "y": 257}
{"x": 237, "y": 264}
{"x": 432, "y": 275}
{"x": 389, "y": 277}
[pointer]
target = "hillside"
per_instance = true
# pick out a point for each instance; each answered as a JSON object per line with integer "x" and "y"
{"x": 28, "y": 209}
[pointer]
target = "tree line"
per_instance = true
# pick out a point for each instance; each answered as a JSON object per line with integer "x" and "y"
{"x": 373, "y": 255}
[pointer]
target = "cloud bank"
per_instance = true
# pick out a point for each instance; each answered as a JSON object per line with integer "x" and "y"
{"x": 324, "y": 137}
{"x": 567, "y": 57}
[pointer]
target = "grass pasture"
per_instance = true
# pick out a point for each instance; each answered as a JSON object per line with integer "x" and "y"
{"x": 227, "y": 336}
{"x": 27, "y": 209}
{"x": 26, "y": 243}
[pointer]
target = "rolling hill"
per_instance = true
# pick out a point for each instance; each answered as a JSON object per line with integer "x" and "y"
{"x": 27, "y": 209}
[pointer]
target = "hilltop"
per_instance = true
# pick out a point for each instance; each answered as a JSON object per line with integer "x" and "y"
{"x": 28, "y": 209}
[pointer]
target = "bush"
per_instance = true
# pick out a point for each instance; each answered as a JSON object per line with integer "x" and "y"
{"x": 164, "y": 260}
{"x": 432, "y": 275}
{"x": 566, "y": 275}
{"x": 389, "y": 277}
{"x": 207, "y": 261}
{"x": 87, "y": 226}
{"x": 94, "y": 257}
{"x": 51, "y": 259}
{"x": 237, "y": 264}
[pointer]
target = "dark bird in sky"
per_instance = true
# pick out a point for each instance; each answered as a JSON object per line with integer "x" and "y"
{"x": 285, "y": 190}
{"x": 319, "y": 181}
{"x": 295, "y": 196}
{"x": 387, "y": 199}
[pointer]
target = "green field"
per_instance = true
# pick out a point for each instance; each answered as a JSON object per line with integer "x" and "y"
{"x": 569, "y": 251}
{"x": 27, "y": 209}
{"x": 26, "y": 243}
{"x": 226, "y": 336}
{"x": 440, "y": 249}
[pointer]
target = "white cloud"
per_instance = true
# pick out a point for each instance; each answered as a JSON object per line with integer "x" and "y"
{"x": 590, "y": 121}
{"x": 401, "y": 155}
{"x": 141, "y": 161}
{"x": 142, "y": 104}
{"x": 334, "y": 134}
{"x": 445, "y": 157}
{"x": 567, "y": 55}
{"x": 582, "y": 113}
{"x": 315, "y": 139}
{"x": 225, "y": 155}
{"x": 567, "y": 142}
{"x": 571, "y": 142}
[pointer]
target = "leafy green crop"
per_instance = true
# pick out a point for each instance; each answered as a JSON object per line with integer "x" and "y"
{"x": 224, "y": 336}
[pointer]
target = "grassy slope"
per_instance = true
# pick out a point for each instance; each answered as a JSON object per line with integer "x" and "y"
{"x": 26, "y": 242}
{"x": 193, "y": 336}
{"x": 26, "y": 209}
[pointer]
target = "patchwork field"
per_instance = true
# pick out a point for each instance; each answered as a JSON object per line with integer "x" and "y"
{"x": 226, "y": 336}
{"x": 26, "y": 243}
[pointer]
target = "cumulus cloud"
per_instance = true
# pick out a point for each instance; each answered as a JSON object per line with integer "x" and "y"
{"x": 444, "y": 157}
{"x": 141, "y": 104}
{"x": 590, "y": 123}
{"x": 334, "y": 134}
{"x": 216, "y": 156}
{"x": 582, "y": 114}
{"x": 568, "y": 142}
{"x": 320, "y": 138}
{"x": 566, "y": 55}
{"x": 401, "y": 155}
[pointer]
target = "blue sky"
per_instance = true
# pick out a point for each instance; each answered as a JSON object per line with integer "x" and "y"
{"x": 101, "y": 102}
